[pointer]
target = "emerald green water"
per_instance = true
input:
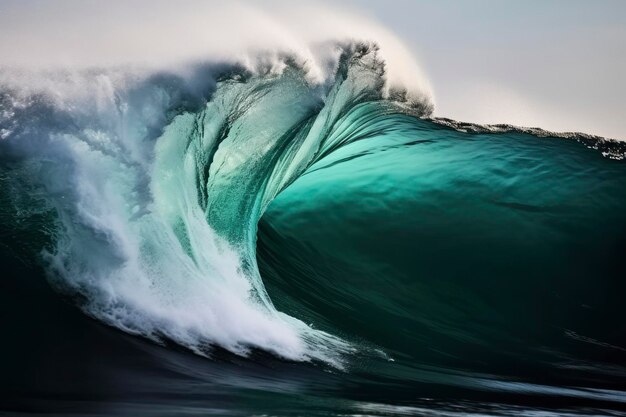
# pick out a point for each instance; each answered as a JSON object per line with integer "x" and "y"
{"x": 492, "y": 253}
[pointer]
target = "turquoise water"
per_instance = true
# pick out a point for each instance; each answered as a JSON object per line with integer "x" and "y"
{"x": 286, "y": 247}
{"x": 483, "y": 253}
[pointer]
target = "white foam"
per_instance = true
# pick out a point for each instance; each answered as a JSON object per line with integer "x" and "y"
{"x": 117, "y": 245}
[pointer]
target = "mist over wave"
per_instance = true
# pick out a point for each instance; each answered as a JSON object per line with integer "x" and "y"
{"x": 172, "y": 36}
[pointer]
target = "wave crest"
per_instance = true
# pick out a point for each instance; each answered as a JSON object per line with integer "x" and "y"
{"x": 159, "y": 181}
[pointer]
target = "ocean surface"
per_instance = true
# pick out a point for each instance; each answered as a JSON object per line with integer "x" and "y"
{"x": 237, "y": 241}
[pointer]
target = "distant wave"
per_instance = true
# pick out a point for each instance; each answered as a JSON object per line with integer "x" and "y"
{"x": 610, "y": 148}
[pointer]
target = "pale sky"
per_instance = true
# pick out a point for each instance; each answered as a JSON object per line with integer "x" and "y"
{"x": 555, "y": 64}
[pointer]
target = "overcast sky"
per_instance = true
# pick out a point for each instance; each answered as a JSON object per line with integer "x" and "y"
{"x": 556, "y": 64}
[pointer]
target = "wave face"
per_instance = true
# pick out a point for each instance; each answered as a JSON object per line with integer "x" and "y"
{"x": 395, "y": 252}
